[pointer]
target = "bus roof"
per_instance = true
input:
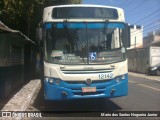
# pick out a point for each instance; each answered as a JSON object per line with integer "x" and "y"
{"x": 83, "y": 5}
{"x": 47, "y": 13}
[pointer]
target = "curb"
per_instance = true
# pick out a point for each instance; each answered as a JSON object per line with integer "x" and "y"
{"x": 21, "y": 100}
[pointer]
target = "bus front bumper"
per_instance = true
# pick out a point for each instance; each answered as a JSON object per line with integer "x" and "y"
{"x": 73, "y": 90}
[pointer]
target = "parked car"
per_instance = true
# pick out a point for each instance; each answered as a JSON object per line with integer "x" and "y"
{"x": 154, "y": 70}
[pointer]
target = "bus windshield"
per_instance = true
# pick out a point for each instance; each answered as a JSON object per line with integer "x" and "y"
{"x": 84, "y": 43}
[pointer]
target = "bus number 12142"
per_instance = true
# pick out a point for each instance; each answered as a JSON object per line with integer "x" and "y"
{"x": 105, "y": 76}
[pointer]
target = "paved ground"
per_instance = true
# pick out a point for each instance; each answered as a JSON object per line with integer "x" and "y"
{"x": 145, "y": 76}
{"x": 21, "y": 100}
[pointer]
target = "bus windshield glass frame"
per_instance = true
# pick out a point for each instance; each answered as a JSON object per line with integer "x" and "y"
{"x": 73, "y": 43}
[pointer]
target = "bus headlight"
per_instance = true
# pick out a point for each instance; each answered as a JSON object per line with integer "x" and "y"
{"x": 118, "y": 78}
{"x": 46, "y": 79}
{"x": 51, "y": 81}
{"x": 123, "y": 77}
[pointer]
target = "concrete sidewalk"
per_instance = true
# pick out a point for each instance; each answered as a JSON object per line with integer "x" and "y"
{"x": 145, "y": 76}
{"x": 21, "y": 100}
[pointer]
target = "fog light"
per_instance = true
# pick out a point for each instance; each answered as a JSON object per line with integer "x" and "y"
{"x": 112, "y": 91}
{"x": 64, "y": 93}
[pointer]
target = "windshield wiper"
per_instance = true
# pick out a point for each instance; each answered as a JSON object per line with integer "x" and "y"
{"x": 105, "y": 32}
{"x": 66, "y": 24}
{"x": 105, "y": 27}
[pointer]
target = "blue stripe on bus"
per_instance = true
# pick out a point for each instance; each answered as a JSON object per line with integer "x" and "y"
{"x": 48, "y": 26}
{"x": 71, "y": 25}
{"x": 91, "y": 25}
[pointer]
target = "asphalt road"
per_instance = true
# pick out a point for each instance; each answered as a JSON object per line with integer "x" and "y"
{"x": 144, "y": 95}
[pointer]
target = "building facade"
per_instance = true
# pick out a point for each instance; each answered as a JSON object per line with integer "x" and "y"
{"x": 136, "y": 35}
{"x": 153, "y": 38}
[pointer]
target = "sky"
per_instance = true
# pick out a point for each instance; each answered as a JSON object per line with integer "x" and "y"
{"x": 137, "y": 12}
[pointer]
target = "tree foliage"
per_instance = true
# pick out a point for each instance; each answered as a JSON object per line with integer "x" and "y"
{"x": 24, "y": 15}
{"x": 62, "y": 2}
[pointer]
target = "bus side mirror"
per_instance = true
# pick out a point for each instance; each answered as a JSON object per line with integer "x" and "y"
{"x": 39, "y": 35}
{"x": 127, "y": 41}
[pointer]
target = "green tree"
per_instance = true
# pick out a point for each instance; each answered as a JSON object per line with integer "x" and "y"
{"x": 62, "y": 2}
{"x": 24, "y": 15}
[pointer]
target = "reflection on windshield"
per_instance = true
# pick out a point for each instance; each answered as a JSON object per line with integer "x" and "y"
{"x": 81, "y": 43}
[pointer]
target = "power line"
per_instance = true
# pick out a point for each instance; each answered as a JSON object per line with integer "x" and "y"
{"x": 126, "y": 3}
{"x": 137, "y": 13}
{"x": 144, "y": 10}
{"x": 148, "y": 25}
{"x": 122, "y": 3}
{"x": 147, "y": 16}
{"x": 152, "y": 23}
{"x": 151, "y": 18}
{"x": 140, "y": 4}
{"x": 145, "y": 30}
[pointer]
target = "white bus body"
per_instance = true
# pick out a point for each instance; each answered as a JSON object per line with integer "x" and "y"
{"x": 84, "y": 52}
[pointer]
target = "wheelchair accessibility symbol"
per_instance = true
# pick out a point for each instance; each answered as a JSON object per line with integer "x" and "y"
{"x": 93, "y": 56}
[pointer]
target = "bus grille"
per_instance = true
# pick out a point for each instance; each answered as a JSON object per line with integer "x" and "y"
{"x": 87, "y": 71}
{"x": 84, "y": 82}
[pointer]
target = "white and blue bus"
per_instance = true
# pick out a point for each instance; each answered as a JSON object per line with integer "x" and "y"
{"x": 84, "y": 50}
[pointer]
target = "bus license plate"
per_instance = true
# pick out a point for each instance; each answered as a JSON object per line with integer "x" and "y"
{"x": 88, "y": 89}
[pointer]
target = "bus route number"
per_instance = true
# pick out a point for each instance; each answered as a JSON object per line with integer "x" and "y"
{"x": 105, "y": 76}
